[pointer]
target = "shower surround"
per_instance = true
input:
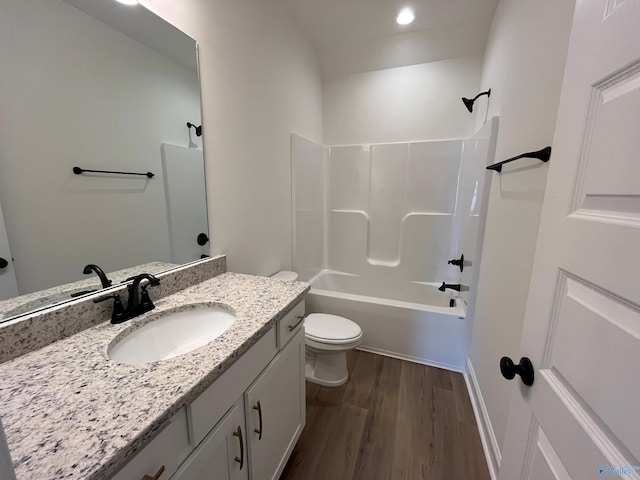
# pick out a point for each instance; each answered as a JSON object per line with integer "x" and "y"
{"x": 373, "y": 229}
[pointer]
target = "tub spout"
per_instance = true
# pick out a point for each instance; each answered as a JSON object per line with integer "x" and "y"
{"x": 453, "y": 286}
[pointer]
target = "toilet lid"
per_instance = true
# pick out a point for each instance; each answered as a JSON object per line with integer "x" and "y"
{"x": 332, "y": 328}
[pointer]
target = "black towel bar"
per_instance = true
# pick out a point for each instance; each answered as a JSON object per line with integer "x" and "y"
{"x": 543, "y": 155}
{"x": 79, "y": 171}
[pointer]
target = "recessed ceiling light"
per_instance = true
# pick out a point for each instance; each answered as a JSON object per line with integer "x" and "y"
{"x": 406, "y": 16}
{"x": 131, "y": 3}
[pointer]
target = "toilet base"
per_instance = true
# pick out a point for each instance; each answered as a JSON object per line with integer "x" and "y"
{"x": 328, "y": 369}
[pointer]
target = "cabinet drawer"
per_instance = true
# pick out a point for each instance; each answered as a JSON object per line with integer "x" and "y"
{"x": 168, "y": 449}
{"x": 211, "y": 405}
{"x": 290, "y": 324}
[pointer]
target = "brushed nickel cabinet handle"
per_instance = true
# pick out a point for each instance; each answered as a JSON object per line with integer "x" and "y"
{"x": 295, "y": 325}
{"x": 238, "y": 433}
{"x": 156, "y": 476}
{"x": 258, "y": 407}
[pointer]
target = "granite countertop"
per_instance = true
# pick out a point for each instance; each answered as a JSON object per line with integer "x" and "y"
{"x": 71, "y": 412}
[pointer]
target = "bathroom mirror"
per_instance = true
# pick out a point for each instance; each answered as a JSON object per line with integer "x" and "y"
{"x": 103, "y": 86}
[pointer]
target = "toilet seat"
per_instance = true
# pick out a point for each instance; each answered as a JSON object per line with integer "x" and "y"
{"x": 330, "y": 329}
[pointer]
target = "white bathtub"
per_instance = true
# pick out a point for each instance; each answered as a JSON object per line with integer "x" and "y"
{"x": 407, "y": 320}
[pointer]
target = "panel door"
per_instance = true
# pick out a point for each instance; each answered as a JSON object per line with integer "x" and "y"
{"x": 222, "y": 455}
{"x": 275, "y": 406}
{"x": 8, "y": 284}
{"x": 581, "y": 417}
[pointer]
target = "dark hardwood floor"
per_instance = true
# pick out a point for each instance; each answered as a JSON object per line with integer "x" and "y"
{"x": 391, "y": 420}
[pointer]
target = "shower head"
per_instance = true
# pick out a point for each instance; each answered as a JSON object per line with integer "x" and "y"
{"x": 469, "y": 102}
{"x": 198, "y": 128}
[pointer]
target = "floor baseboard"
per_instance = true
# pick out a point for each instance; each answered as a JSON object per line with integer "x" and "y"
{"x": 408, "y": 358}
{"x": 487, "y": 435}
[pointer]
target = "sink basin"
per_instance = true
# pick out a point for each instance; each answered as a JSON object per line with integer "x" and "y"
{"x": 169, "y": 334}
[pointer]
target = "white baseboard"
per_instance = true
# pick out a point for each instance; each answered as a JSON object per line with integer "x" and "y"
{"x": 487, "y": 435}
{"x": 409, "y": 358}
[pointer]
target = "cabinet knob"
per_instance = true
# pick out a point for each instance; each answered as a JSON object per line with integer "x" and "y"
{"x": 3, "y": 263}
{"x": 156, "y": 476}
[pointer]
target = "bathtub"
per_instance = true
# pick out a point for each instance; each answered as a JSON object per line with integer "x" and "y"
{"x": 408, "y": 320}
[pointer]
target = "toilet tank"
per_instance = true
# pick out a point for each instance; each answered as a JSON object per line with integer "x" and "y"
{"x": 286, "y": 275}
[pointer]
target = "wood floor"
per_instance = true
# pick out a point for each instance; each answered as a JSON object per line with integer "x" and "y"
{"x": 392, "y": 420}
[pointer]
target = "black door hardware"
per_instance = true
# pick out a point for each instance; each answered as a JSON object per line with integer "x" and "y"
{"x": 3, "y": 263}
{"x": 202, "y": 239}
{"x": 524, "y": 369}
{"x": 458, "y": 262}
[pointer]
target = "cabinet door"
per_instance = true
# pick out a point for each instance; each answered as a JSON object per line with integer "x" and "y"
{"x": 275, "y": 406}
{"x": 222, "y": 455}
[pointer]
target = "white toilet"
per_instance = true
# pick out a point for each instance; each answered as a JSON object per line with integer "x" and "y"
{"x": 327, "y": 339}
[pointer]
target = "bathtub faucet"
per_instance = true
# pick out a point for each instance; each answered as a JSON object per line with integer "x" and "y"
{"x": 453, "y": 286}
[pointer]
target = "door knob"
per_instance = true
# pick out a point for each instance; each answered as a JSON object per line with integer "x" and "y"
{"x": 524, "y": 369}
{"x": 3, "y": 263}
{"x": 202, "y": 239}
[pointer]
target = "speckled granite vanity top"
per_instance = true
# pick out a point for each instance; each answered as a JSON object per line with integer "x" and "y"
{"x": 71, "y": 412}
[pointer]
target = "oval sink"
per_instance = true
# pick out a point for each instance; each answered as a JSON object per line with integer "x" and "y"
{"x": 171, "y": 334}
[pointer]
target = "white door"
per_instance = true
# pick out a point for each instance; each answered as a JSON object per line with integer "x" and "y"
{"x": 581, "y": 417}
{"x": 8, "y": 284}
{"x": 184, "y": 183}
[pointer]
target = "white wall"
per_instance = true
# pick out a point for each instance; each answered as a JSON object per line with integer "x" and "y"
{"x": 419, "y": 102}
{"x": 260, "y": 82}
{"x": 524, "y": 65}
{"x": 76, "y": 92}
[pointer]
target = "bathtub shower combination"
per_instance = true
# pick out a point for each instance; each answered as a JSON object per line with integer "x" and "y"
{"x": 374, "y": 227}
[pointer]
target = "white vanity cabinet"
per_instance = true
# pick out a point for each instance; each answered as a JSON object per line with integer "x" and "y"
{"x": 275, "y": 409}
{"x": 245, "y": 425}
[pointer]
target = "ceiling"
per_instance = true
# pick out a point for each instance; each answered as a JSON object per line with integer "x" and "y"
{"x": 354, "y": 36}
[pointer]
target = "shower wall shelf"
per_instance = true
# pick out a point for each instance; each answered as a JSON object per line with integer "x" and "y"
{"x": 543, "y": 155}
{"x": 80, "y": 171}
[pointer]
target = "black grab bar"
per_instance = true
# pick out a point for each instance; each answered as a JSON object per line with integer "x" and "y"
{"x": 544, "y": 155}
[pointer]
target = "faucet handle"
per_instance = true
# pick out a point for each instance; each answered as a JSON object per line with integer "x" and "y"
{"x": 118, "y": 309}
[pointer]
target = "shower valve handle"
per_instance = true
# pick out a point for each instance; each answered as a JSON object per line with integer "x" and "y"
{"x": 457, "y": 262}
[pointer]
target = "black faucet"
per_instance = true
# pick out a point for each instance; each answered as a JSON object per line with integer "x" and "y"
{"x": 453, "y": 286}
{"x": 138, "y": 304}
{"x": 98, "y": 271}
